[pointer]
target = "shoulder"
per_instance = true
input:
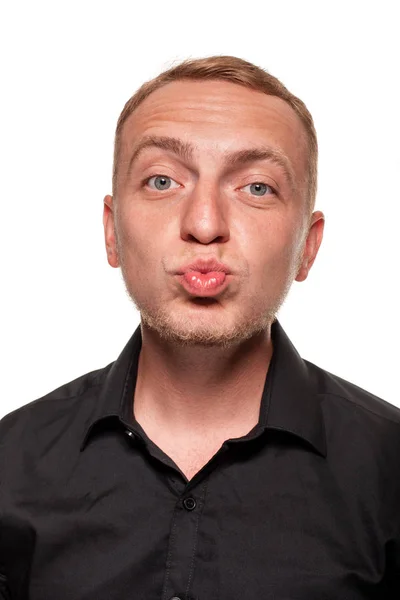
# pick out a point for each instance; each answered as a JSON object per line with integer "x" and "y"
{"x": 70, "y": 402}
{"x": 342, "y": 393}
{"x": 359, "y": 425}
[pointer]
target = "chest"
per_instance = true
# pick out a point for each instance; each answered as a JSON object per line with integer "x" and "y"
{"x": 191, "y": 458}
{"x": 267, "y": 522}
{"x": 192, "y": 452}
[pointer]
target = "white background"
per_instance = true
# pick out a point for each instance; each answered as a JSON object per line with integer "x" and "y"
{"x": 67, "y": 70}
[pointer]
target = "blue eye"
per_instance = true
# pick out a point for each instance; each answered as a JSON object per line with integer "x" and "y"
{"x": 161, "y": 182}
{"x": 259, "y": 188}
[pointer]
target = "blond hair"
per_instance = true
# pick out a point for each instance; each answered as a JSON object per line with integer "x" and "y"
{"x": 235, "y": 70}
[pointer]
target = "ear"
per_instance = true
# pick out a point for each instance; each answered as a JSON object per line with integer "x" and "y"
{"x": 109, "y": 232}
{"x": 311, "y": 247}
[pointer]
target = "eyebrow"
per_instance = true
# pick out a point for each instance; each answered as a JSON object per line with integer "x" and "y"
{"x": 238, "y": 158}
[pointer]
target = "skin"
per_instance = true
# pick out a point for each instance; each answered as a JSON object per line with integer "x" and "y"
{"x": 211, "y": 356}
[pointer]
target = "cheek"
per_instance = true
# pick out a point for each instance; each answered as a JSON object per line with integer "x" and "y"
{"x": 137, "y": 236}
{"x": 271, "y": 246}
{"x": 144, "y": 241}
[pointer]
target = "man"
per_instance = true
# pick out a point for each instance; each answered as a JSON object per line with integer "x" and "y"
{"x": 209, "y": 461}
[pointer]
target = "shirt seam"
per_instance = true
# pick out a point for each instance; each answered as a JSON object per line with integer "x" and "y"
{"x": 169, "y": 552}
{"x": 361, "y": 407}
{"x": 61, "y": 398}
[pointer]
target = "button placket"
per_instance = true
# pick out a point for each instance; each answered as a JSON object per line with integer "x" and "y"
{"x": 181, "y": 557}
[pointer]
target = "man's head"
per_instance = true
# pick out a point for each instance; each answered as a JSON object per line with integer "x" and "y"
{"x": 214, "y": 159}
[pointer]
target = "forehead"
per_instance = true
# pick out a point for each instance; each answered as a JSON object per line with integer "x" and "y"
{"x": 218, "y": 116}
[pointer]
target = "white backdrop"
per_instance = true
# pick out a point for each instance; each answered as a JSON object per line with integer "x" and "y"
{"x": 68, "y": 68}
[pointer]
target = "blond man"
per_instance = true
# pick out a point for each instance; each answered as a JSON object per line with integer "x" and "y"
{"x": 209, "y": 461}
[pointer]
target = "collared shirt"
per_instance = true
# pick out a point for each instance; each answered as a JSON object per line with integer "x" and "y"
{"x": 305, "y": 506}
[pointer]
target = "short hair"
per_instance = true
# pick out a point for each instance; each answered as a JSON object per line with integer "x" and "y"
{"x": 236, "y": 70}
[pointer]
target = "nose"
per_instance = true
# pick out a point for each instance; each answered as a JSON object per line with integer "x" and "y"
{"x": 204, "y": 217}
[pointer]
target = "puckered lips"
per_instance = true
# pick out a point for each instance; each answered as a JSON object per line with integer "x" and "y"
{"x": 204, "y": 277}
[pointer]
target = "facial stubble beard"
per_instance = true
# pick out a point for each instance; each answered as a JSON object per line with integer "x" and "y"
{"x": 161, "y": 321}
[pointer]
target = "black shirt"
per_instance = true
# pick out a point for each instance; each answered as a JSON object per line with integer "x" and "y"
{"x": 306, "y": 506}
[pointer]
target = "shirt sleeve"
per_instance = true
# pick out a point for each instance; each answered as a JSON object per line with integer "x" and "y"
{"x": 17, "y": 541}
{"x": 391, "y": 583}
{"x": 4, "y": 592}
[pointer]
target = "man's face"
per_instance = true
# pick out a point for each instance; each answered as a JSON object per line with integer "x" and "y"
{"x": 173, "y": 208}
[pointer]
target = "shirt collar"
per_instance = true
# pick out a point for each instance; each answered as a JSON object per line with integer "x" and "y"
{"x": 295, "y": 405}
{"x": 289, "y": 401}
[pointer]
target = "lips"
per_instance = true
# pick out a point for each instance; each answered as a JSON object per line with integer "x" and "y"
{"x": 204, "y": 278}
{"x": 204, "y": 266}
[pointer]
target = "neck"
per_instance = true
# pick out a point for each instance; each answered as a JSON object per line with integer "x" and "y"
{"x": 200, "y": 389}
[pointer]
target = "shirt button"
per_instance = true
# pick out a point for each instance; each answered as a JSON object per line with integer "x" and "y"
{"x": 189, "y": 504}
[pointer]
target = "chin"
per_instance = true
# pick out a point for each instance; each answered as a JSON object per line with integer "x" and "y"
{"x": 201, "y": 331}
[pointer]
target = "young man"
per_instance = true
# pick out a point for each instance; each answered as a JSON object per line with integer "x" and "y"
{"x": 210, "y": 461}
